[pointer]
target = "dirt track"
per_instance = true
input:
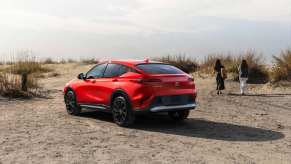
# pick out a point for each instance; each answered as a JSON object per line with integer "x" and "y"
{"x": 223, "y": 129}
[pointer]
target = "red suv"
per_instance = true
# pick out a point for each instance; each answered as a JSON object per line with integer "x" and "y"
{"x": 128, "y": 87}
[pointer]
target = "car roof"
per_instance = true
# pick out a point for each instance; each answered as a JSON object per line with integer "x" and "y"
{"x": 132, "y": 62}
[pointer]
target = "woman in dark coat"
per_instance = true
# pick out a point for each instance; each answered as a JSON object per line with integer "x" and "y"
{"x": 218, "y": 68}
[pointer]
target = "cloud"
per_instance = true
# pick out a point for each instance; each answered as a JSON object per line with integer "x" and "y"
{"x": 139, "y": 16}
{"x": 145, "y": 26}
{"x": 43, "y": 22}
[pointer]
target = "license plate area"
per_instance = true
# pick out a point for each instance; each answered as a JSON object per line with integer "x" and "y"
{"x": 174, "y": 100}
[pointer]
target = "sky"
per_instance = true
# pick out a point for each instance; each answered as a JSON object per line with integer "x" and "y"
{"x": 143, "y": 28}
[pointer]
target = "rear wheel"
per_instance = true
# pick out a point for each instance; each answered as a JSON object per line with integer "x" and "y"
{"x": 122, "y": 113}
{"x": 179, "y": 115}
{"x": 71, "y": 104}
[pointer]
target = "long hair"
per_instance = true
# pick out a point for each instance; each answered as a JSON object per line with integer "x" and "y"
{"x": 244, "y": 65}
{"x": 218, "y": 65}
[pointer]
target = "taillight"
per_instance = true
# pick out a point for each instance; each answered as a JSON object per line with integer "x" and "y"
{"x": 145, "y": 80}
{"x": 137, "y": 80}
{"x": 152, "y": 80}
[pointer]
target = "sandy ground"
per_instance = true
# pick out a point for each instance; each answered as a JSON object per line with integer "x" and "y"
{"x": 223, "y": 129}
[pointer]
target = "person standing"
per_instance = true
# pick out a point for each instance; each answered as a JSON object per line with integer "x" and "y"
{"x": 243, "y": 76}
{"x": 220, "y": 76}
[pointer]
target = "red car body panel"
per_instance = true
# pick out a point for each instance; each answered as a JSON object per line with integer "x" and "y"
{"x": 95, "y": 91}
{"x": 141, "y": 88}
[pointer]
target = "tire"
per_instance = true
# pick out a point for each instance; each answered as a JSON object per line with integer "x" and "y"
{"x": 121, "y": 111}
{"x": 179, "y": 115}
{"x": 71, "y": 103}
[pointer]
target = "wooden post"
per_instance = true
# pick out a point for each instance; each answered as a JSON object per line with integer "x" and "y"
{"x": 24, "y": 82}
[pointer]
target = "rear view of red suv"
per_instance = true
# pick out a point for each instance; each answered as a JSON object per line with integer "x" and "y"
{"x": 128, "y": 87}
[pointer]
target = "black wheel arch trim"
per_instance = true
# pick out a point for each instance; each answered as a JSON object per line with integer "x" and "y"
{"x": 68, "y": 88}
{"x": 120, "y": 91}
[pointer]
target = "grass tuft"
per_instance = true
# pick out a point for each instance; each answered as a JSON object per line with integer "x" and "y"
{"x": 27, "y": 65}
{"x": 20, "y": 78}
{"x": 281, "y": 70}
{"x": 49, "y": 61}
{"x": 11, "y": 86}
{"x": 89, "y": 61}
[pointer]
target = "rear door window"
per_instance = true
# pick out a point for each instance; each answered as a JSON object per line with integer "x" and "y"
{"x": 112, "y": 70}
{"x": 153, "y": 68}
{"x": 124, "y": 69}
{"x": 115, "y": 70}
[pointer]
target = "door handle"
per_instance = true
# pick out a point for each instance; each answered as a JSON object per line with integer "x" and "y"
{"x": 114, "y": 80}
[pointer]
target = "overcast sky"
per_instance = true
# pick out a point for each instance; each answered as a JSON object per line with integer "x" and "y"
{"x": 143, "y": 28}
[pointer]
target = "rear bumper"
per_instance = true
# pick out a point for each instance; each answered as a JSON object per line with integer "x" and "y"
{"x": 173, "y": 108}
{"x": 169, "y": 103}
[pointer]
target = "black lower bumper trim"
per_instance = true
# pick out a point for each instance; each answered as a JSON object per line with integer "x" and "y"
{"x": 169, "y": 108}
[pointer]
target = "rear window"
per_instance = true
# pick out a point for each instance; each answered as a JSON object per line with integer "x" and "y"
{"x": 159, "y": 69}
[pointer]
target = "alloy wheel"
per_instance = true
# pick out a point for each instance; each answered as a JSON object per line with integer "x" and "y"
{"x": 119, "y": 110}
{"x": 70, "y": 101}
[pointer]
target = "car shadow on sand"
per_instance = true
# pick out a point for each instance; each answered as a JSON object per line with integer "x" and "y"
{"x": 260, "y": 95}
{"x": 197, "y": 128}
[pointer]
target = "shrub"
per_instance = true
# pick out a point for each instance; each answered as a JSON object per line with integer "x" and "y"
{"x": 258, "y": 73}
{"x": 27, "y": 65}
{"x": 49, "y": 61}
{"x": 11, "y": 86}
{"x": 282, "y": 66}
{"x": 62, "y": 61}
{"x": 89, "y": 61}
{"x": 187, "y": 64}
{"x": 71, "y": 60}
{"x": 19, "y": 79}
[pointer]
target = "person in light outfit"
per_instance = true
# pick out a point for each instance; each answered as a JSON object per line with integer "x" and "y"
{"x": 243, "y": 76}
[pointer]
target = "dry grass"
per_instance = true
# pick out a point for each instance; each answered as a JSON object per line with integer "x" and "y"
{"x": 12, "y": 83}
{"x": 185, "y": 63}
{"x": 65, "y": 61}
{"x": 258, "y": 72}
{"x": 61, "y": 61}
{"x": 11, "y": 86}
{"x": 89, "y": 61}
{"x": 27, "y": 65}
{"x": 49, "y": 61}
{"x": 281, "y": 70}
{"x": 71, "y": 60}
{"x": 229, "y": 61}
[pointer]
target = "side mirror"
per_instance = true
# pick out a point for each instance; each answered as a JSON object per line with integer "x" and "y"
{"x": 81, "y": 76}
